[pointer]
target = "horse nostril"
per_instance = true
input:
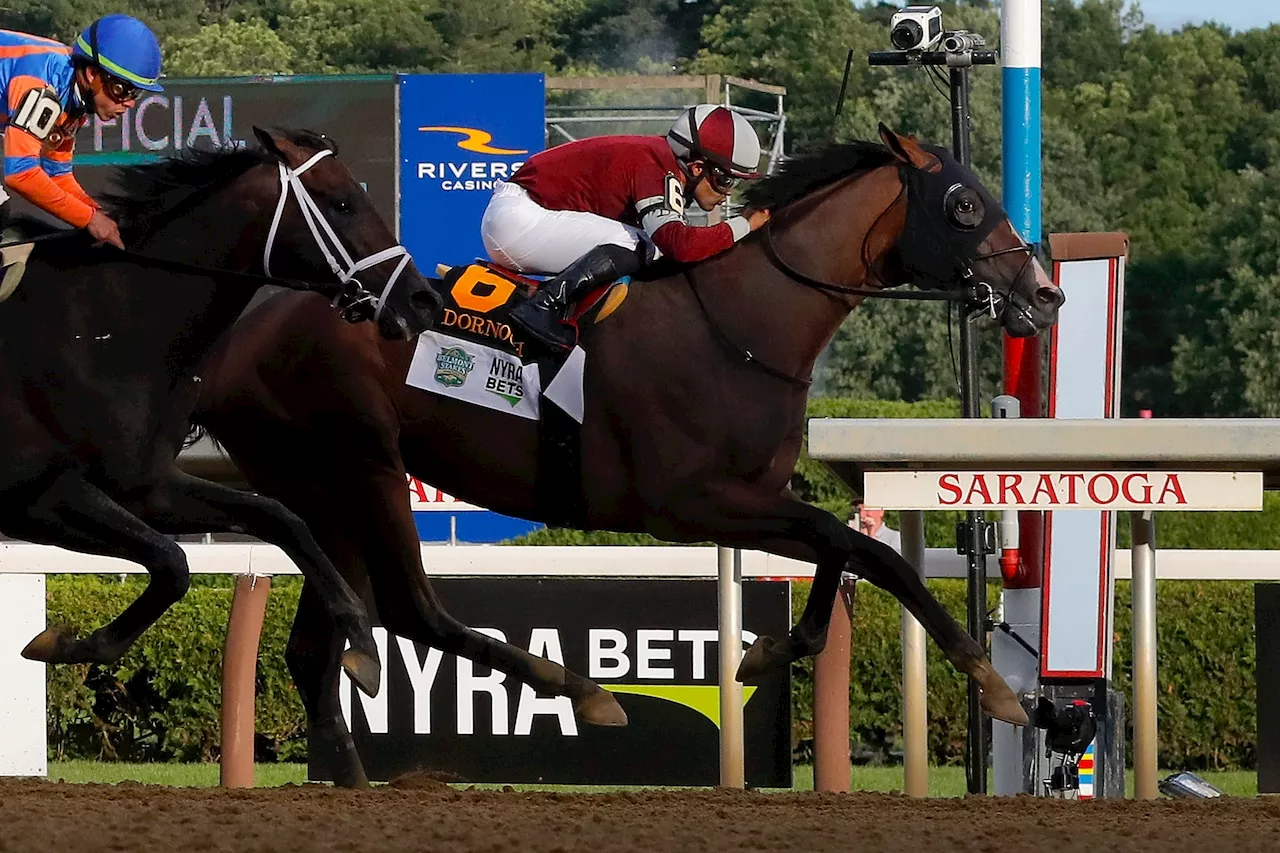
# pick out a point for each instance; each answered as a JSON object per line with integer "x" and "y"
{"x": 1050, "y": 297}
{"x": 426, "y": 300}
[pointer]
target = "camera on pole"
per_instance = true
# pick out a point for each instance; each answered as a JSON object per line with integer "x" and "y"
{"x": 916, "y": 28}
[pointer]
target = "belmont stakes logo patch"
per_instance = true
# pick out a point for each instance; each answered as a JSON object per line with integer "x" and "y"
{"x": 476, "y": 374}
{"x": 453, "y": 365}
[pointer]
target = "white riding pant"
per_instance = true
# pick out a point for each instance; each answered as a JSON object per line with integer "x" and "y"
{"x": 522, "y": 235}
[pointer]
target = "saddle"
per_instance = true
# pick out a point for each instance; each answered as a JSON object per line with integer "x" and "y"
{"x": 17, "y": 240}
{"x": 479, "y": 296}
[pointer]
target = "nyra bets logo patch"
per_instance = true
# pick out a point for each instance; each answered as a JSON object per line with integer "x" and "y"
{"x": 475, "y": 374}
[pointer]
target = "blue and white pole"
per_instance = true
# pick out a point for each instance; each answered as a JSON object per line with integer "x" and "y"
{"x": 1020, "y": 60}
{"x": 1020, "y": 101}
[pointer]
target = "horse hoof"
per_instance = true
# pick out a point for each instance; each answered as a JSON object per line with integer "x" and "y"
{"x": 600, "y": 709}
{"x": 764, "y": 657}
{"x": 1000, "y": 702}
{"x": 364, "y": 670}
{"x": 52, "y": 645}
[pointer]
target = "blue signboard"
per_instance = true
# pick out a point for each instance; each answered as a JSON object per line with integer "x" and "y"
{"x": 459, "y": 134}
{"x": 478, "y": 528}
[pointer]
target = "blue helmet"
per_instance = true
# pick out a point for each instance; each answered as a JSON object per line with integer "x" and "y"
{"x": 123, "y": 47}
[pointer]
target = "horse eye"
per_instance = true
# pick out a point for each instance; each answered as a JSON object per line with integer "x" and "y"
{"x": 964, "y": 208}
{"x": 342, "y": 206}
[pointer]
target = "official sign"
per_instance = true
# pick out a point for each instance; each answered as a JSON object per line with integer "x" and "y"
{"x": 1051, "y": 490}
{"x": 459, "y": 135}
{"x": 357, "y": 112}
{"x": 651, "y": 642}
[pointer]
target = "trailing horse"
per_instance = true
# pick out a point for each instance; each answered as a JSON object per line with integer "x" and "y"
{"x": 693, "y": 416}
{"x": 100, "y": 352}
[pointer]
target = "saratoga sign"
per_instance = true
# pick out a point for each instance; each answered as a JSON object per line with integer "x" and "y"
{"x": 1050, "y": 490}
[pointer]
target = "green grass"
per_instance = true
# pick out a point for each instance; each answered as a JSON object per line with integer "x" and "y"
{"x": 943, "y": 781}
{"x": 177, "y": 775}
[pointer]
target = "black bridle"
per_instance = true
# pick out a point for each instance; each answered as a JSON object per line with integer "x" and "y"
{"x": 978, "y": 297}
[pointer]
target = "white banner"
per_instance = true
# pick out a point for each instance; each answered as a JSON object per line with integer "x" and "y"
{"x": 427, "y": 498}
{"x": 475, "y": 373}
{"x": 1047, "y": 490}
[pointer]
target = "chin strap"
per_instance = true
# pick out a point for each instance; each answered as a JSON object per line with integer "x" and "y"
{"x": 325, "y": 237}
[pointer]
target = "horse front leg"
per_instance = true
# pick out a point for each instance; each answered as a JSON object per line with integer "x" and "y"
{"x": 188, "y": 504}
{"x": 743, "y": 515}
{"x": 314, "y": 644}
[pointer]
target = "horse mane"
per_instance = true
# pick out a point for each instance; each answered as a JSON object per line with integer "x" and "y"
{"x": 814, "y": 170}
{"x": 145, "y": 192}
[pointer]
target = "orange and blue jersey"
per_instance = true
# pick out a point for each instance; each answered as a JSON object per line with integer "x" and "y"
{"x": 40, "y": 114}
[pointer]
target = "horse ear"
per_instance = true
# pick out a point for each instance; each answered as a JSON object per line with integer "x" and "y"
{"x": 908, "y": 150}
{"x": 270, "y": 143}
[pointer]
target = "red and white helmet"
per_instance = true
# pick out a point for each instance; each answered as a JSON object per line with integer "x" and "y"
{"x": 719, "y": 135}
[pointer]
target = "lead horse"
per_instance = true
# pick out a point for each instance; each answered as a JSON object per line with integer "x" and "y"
{"x": 99, "y": 353}
{"x": 694, "y": 393}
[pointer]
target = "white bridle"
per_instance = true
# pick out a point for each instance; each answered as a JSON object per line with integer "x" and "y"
{"x": 320, "y": 229}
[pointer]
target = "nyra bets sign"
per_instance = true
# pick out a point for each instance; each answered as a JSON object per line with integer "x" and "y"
{"x": 652, "y": 643}
{"x": 459, "y": 135}
{"x": 1051, "y": 490}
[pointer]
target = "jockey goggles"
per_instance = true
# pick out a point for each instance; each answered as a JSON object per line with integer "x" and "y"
{"x": 119, "y": 90}
{"x": 720, "y": 180}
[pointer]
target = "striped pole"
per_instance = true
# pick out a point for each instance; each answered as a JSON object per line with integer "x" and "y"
{"x": 1020, "y": 61}
{"x": 1020, "y": 34}
{"x": 1020, "y": 106}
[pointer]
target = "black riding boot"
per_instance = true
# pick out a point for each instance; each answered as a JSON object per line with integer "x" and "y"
{"x": 540, "y": 317}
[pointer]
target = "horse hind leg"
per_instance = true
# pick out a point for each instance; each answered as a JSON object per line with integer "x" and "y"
{"x": 78, "y": 516}
{"x": 191, "y": 505}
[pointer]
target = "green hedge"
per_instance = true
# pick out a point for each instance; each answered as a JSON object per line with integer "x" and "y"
{"x": 1206, "y": 660}
{"x": 161, "y": 703}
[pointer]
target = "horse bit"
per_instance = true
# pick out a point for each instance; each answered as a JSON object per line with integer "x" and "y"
{"x": 355, "y": 300}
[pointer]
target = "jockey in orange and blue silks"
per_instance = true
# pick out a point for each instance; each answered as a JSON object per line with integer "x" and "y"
{"x": 50, "y": 91}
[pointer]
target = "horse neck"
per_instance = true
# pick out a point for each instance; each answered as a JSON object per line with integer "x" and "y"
{"x": 833, "y": 236}
{"x": 223, "y": 232}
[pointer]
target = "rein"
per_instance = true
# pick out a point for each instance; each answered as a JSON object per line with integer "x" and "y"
{"x": 352, "y": 296}
{"x": 346, "y": 298}
{"x": 979, "y": 294}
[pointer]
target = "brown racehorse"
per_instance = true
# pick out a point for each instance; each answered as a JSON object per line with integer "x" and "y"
{"x": 695, "y": 398}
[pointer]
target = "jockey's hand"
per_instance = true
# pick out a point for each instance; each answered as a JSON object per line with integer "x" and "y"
{"x": 756, "y": 218}
{"x": 103, "y": 229}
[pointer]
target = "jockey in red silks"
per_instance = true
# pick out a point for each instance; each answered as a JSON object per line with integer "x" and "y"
{"x": 597, "y": 209}
{"x": 50, "y": 91}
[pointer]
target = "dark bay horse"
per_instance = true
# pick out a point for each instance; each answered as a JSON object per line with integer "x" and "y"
{"x": 99, "y": 352}
{"x": 695, "y": 395}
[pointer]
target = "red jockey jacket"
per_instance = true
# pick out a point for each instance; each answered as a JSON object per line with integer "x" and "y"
{"x": 630, "y": 179}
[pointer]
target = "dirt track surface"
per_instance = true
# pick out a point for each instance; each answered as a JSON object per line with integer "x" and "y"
{"x": 63, "y": 817}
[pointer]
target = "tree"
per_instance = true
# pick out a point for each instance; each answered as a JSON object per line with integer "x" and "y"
{"x": 1229, "y": 362}
{"x": 362, "y": 36}
{"x": 234, "y": 48}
